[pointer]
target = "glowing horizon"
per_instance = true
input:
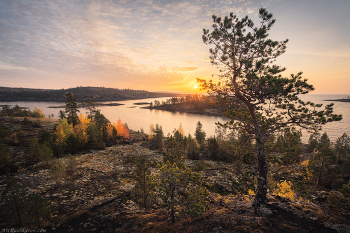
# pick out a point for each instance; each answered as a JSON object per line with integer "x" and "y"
{"x": 157, "y": 46}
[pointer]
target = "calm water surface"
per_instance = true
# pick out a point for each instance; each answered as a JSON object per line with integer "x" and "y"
{"x": 333, "y": 129}
{"x": 138, "y": 118}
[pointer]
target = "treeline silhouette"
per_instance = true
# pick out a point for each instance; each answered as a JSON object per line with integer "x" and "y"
{"x": 197, "y": 104}
{"x": 80, "y": 93}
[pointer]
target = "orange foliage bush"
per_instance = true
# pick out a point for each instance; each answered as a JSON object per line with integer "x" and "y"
{"x": 122, "y": 129}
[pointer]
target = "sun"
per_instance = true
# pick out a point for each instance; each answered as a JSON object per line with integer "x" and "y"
{"x": 195, "y": 86}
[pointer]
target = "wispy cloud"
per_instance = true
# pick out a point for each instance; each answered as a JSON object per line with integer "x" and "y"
{"x": 342, "y": 51}
{"x": 118, "y": 43}
{"x": 4, "y": 66}
{"x": 188, "y": 68}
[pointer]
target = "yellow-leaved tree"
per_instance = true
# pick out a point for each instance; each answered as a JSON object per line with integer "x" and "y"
{"x": 81, "y": 131}
{"x": 62, "y": 131}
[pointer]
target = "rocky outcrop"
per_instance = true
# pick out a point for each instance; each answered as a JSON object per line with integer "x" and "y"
{"x": 97, "y": 196}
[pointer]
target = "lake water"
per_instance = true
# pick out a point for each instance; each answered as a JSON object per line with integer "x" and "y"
{"x": 138, "y": 118}
{"x": 333, "y": 129}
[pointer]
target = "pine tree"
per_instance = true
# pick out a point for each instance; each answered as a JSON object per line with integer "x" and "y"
{"x": 71, "y": 109}
{"x": 181, "y": 190}
{"x": 62, "y": 114}
{"x": 95, "y": 137}
{"x": 72, "y": 144}
{"x": 192, "y": 151}
{"x": 342, "y": 146}
{"x": 33, "y": 149}
{"x": 157, "y": 138}
{"x": 200, "y": 134}
{"x": 14, "y": 202}
{"x": 144, "y": 180}
{"x": 174, "y": 151}
{"x": 320, "y": 163}
{"x": 90, "y": 107}
{"x": 289, "y": 143}
{"x": 45, "y": 154}
{"x": 57, "y": 171}
{"x": 244, "y": 56}
{"x": 6, "y": 159}
{"x": 313, "y": 140}
{"x": 213, "y": 147}
{"x": 39, "y": 207}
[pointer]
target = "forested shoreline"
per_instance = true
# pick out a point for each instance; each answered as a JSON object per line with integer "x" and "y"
{"x": 197, "y": 104}
{"x": 80, "y": 93}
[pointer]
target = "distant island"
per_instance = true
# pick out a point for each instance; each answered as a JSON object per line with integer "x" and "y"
{"x": 142, "y": 103}
{"x": 81, "y": 105}
{"x": 80, "y": 93}
{"x": 196, "y": 104}
{"x": 341, "y": 100}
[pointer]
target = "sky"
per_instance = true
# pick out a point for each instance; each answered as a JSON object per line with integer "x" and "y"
{"x": 156, "y": 45}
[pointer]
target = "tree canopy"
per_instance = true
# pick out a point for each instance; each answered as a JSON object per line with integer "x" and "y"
{"x": 245, "y": 57}
{"x": 71, "y": 109}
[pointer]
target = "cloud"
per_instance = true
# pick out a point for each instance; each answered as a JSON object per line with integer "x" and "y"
{"x": 187, "y": 62}
{"x": 188, "y": 68}
{"x": 4, "y": 66}
{"x": 342, "y": 51}
{"x": 121, "y": 43}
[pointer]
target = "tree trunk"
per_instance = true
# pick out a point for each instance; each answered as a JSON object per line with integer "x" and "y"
{"x": 36, "y": 212}
{"x": 17, "y": 210}
{"x": 172, "y": 211}
{"x": 261, "y": 191}
{"x": 340, "y": 152}
{"x": 144, "y": 189}
{"x": 320, "y": 174}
